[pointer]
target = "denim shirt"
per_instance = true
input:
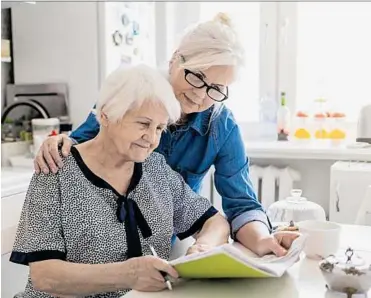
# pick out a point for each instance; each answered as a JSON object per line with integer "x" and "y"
{"x": 191, "y": 149}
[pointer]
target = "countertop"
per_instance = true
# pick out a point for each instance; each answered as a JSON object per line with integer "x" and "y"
{"x": 303, "y": 280}
{"x": 305, "y": 150}
{"x": 14, "y": 180}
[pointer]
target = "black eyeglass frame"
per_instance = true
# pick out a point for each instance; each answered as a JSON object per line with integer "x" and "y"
{"x": 208, "y": 87}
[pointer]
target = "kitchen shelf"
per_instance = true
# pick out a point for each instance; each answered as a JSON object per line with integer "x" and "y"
{"x": 6, "y": 59}
{"x": 292, "y": 150}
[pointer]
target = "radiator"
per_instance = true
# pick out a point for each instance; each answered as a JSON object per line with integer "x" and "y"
{"x": 272, "y": 184}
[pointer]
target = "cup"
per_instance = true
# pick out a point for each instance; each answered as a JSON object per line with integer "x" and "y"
{"x": 323, "y": 238}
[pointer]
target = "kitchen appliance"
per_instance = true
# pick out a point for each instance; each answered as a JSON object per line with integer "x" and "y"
{"x": 364, "y": 125}
{"x": 29, "y": 101}
{"x": 349, "y": 183}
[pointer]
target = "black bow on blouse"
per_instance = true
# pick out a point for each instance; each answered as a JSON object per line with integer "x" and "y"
{"x": 129, "y": 213}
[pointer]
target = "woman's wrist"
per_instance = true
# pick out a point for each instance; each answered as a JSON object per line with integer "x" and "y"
{"x": 127, "y": 275}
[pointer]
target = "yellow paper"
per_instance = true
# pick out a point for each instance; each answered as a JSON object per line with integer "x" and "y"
{"x": 218, "y": 266}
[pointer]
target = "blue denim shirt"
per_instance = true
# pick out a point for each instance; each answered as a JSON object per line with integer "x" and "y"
{"x": 193, "y": 148}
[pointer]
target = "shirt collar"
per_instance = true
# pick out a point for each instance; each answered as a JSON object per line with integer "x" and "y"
{"x": 200, "y": 121}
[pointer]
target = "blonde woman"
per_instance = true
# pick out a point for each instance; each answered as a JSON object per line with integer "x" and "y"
{"x": 89, "y": 229}
{"x": 206, "y": 62}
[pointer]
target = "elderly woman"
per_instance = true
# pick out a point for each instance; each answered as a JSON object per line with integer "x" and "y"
{"x": 89, "y": 229}
{"x": 205, "y": 64}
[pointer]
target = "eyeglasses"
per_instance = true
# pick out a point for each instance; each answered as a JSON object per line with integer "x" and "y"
{"x": 216, "y": 93}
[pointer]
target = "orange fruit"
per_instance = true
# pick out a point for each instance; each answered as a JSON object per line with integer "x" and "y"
{"x": 302, "y": 133}
{"x": 321, "y": 134}
{"x": 337, "y": 134}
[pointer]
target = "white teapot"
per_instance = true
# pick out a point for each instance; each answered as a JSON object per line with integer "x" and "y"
{"x": 348, "y": 273}
{"x": 295, "y": 208}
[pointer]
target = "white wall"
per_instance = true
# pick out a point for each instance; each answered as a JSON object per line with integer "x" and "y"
{"x": 58, "y": 42}
{"x": 171, "y": 19}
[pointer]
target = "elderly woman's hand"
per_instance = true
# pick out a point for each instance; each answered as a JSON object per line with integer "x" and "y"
{"x": 277, "y": 243}
{"x": 144, "y": 273}
{"x": 197, "y": 247}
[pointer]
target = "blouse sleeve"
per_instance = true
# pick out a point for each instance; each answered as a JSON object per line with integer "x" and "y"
{"x": 191, "y": 210}
{"x": 39, "y": 235}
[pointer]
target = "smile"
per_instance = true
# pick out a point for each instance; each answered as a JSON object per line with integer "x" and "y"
{"x": 190, "y": 100}
{"x": 144, "y": 147}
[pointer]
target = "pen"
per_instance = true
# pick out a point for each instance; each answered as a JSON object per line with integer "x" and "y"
{"x": 164, "y": 274}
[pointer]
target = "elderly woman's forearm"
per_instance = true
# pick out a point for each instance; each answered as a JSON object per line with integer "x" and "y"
{"x": 64, "y": 278}
{"x": 214, "y": 232}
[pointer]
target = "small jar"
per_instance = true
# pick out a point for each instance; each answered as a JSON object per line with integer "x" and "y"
{"x": 41, "y": 129}
{"x": 320, "y": 119}
{"x": 337, "y": 127}
{"x": 301, "y": 126}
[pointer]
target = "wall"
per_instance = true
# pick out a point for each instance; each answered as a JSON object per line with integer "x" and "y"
{"x": 58, "y": 42}
{"x": 172, "y": 18}
{"x": 6, "y": 68}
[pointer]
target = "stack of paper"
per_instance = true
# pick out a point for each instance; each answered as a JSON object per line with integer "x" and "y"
{"x": 235, "y": 261}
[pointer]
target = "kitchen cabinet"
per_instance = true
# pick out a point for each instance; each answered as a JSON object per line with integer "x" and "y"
{"x": 348, "y": 190}
{"x": 13, "y": 277}
{"x": 14, "y": 185}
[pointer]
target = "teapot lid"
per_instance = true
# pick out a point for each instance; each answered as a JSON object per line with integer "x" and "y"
{"x": 350, "y": 263}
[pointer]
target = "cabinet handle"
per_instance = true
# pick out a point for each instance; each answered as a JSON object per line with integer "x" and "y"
{"x": 337, "y": 191}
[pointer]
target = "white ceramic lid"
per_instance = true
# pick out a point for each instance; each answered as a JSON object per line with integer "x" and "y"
{"x": 348, "y": 260}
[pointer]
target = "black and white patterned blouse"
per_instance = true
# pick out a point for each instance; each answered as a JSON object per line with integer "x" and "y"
{"x": 78, "y": 217}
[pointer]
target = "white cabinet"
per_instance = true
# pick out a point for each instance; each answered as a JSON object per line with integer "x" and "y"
{"x": 348, "y": 190}
{"x": 14, "y": 184}
{"x": 13, "y": 277}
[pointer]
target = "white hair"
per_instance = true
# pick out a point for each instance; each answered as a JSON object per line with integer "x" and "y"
{"x": 211, "y": 43}
{"x": 128, "y": 87}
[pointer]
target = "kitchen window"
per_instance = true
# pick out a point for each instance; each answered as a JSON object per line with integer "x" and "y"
{"x": 325, "y": 53}
{"x": 244, "y": 93}
{"x": 306, "y": 49}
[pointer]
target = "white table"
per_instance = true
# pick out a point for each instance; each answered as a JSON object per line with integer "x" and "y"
{"x": 303, "y": 280}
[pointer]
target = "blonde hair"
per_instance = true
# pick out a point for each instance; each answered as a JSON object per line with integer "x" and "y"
{"x": 128, "y": 87}
{"x": 211, "y": 43}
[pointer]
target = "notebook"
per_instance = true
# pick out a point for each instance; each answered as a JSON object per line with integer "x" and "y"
{"x": 233, "y": 260}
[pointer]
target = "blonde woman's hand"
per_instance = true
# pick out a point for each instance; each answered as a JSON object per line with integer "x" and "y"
{"x": 277, "y": 243}
{"x": 47, "y": 158}
{"x": 144, "y": 273}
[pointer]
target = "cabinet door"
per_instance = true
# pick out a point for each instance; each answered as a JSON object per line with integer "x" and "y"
{"x": 347, "y": 191}
{"x": 11, "y": 208}
{"x": 13, "y": 277}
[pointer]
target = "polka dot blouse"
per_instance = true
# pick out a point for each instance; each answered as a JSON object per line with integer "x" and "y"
{"x": 78, "y": 217}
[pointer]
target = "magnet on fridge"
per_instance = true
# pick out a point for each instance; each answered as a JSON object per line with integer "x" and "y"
{"x": 125, "y": 20}
{"x": 135, "y": 28}
{"x": 117, "y": 38}
{"x": 126, "y": 59}
{"x": 129, "y": 39}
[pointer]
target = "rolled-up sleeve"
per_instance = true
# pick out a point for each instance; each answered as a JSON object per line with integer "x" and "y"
{"x": 87, "y": 130}
{"x": 39, "y": 235}
{"x": 191, "y": 210}
{"x": 233, "y": 183}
